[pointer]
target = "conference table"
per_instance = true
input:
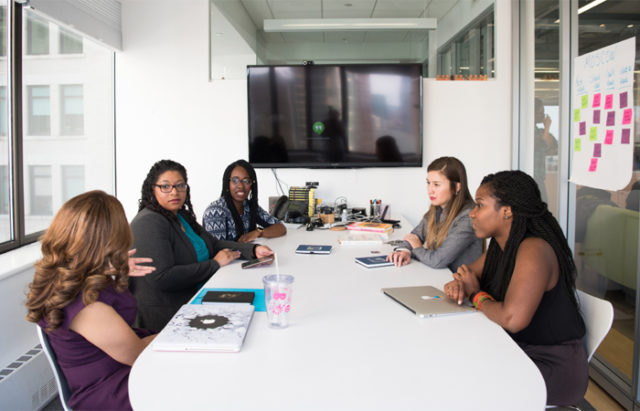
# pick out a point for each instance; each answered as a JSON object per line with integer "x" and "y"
{"x": 348, "y": 346}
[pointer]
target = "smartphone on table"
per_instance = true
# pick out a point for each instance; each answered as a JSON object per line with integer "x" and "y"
{"x": 256, "y": 262}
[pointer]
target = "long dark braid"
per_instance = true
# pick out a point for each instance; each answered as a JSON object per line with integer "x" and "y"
{"x": 531, "y": 218}
{"x": 253, "y": 196}
{"x": 148, "y": 197}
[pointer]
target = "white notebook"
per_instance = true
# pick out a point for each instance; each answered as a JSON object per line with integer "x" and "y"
{"x": 217, "y": 327}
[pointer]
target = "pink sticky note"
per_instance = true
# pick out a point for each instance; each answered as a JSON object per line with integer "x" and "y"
{"x": 626, "y": 134}
{"x": 608, "y": 138}
{"x": 626, "y": 116}
{"x": 597, "y": 150}
{"x": 596, "y": 116}
{"x": 608, "y": 101}
{"x": 593, "y": 165}
{"x": 611, "y": 118}
{"x": 596, "y": 100}
{"x": 583, "y": 128}
{"x": 623, "y": 100}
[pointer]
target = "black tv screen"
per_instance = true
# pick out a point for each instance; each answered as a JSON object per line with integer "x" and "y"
{"x": 331, "y": 116}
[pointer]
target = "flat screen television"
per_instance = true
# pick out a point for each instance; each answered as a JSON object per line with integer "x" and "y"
{"x": 335, "y": 116}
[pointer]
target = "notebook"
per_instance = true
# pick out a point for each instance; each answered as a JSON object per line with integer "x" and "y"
{"x": 217, "y": 327}
{"x": 373, "y": 262}
{"x": 426, "y": 301}
{"x": 313, "y": 249}
{"x": 228, "y": 297}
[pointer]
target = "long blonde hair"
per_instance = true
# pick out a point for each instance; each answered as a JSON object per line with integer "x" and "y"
{"x": 83, "y": 250}
{"x": 454, "y": 171}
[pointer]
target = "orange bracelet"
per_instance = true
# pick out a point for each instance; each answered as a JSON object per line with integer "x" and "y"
{"x": 480, "y": 297}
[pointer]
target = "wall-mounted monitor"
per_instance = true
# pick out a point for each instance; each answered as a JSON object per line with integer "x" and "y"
{"x": 332, "y": 116}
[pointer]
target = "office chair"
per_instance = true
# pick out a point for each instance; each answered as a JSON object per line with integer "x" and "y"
{"x": 61, "y": 380}
{"x": 598, "y": 317}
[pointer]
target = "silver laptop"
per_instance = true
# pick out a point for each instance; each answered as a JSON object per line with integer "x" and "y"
{"x": 426, "y": 301}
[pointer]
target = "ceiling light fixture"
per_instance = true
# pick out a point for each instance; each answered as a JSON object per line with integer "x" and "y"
{"x": 589, "y": 6}
{"x": 285, "y": 25}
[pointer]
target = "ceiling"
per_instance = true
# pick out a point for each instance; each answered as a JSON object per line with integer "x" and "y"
{"x": 259, "y": 10}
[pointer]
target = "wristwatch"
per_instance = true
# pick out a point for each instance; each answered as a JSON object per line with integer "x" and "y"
{"x": 259, "y": 230}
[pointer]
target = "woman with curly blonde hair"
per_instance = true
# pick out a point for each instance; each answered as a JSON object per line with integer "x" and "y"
{"x": 79, "y": 296}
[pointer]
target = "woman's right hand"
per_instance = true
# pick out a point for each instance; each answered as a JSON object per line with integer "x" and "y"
{"x": 400, "y": 257}
{"x": 225, "y": 256}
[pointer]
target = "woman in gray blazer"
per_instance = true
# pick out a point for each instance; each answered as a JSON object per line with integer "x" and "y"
{"x": 184, "y": 254}
{"x": 444, "y": 238}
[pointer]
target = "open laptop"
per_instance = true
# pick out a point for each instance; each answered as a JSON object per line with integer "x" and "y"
{"x": 426, "y": 301}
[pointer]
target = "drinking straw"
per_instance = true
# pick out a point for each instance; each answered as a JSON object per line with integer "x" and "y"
{"x": 275, "y": 259}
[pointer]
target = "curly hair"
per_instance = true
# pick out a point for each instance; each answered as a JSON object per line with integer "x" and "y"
{"x": 531, "y": 218}
{"x": 454, "y": 171}
{"x": 148, "y": 198}
{"x": 84, "y": 250}
{"x": 253, "y": 196}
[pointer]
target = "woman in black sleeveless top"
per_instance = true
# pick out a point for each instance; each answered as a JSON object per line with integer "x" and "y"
{"x": 525, "y": 281}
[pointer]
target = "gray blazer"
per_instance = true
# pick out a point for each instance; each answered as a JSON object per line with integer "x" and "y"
{"x": 460, "y": 247}
{"x": 178, "y": 275}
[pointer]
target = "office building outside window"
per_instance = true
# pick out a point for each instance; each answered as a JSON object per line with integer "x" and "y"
{"x": 71, "y": 110}
{"x": 37, "y": 36}
{"x": 69, "y": 43}
{"x": 3, "y": 110}
{"x": 40, "y": 190}
{"x": 72, "y": 181}
{"x": 39, "y": 120}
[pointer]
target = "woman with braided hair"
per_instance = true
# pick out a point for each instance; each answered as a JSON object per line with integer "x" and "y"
{"x": 236, "y": 215}
{"x": 525, "y": 281}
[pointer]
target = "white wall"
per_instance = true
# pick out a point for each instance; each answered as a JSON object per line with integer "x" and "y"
{"x": 166, "y": 108}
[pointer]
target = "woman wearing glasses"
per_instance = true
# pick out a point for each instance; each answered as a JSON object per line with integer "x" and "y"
{"x": 236, "y": 215}
{"x": 184, "y": 254}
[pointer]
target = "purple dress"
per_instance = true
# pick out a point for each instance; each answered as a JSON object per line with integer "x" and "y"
{"x": 97, "y": 381}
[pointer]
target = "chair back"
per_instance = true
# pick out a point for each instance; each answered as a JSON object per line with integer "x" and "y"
{"x": 63, "y": 387}
{"x": 598, "y": 317}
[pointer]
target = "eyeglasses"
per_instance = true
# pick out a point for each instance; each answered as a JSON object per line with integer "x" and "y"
{"x": 167, "y": 188}
{"x": 237, "y": 180}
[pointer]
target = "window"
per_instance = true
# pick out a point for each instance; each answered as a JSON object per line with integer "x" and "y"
{"x": 70, "y": 43}
{"x": 3, "y": 31}
{"x": 3, "y": 110}
{"x": 37, "y": 36}
{"x": 4, "y": 190}
{"x": 72, "y": 181}
{"x": 40, "y": 192}
{"x": 71, "y": 110}
{"x": 39, "y": 110}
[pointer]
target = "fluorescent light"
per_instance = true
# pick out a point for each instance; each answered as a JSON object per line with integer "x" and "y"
{"x": 590, "y": 6}
{"x": 284, "y": 25}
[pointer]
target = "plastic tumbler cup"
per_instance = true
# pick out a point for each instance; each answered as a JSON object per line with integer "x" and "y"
{"x": 277, "y": 297}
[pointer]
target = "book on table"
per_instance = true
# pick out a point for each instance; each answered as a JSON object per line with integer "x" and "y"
{"x": 382, "y": 228}
{"x": 362, "y": 238}
{"x": 374, "y": 261}
{"x": 215, "y": 327}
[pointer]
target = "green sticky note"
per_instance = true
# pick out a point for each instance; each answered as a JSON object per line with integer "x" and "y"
{"x": 576, "y": 114}
{"x": 585, "y": 101}
{"x": 593, "y": 133}
{"x": 577, "y": 145}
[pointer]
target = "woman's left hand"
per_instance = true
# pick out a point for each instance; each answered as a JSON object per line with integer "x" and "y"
{"x": 414, "y": 240}
{"x": 136, "y": 270}
{"x": 249, "y": 237}
{"x": 263, "y": 251}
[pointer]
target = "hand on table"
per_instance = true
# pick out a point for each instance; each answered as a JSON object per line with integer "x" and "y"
{"x": 465, "y": 282}
{"x": 225, "y": 256}
{"x": 400, "y": 257}
{"x": 263, "y": 251}
{"x": 249, "y": 237}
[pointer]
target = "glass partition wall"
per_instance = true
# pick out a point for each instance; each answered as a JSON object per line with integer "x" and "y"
{"x": 602, "y": 225}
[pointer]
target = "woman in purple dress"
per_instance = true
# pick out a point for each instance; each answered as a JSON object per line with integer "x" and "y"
{"x": 79, "y": 296}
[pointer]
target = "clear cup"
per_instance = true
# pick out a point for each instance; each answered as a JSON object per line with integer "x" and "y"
{"x": 277, "y": 297}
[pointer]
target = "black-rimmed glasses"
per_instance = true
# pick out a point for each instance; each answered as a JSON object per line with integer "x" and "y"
{"x": 167, "y": 188}
{"x": 237, "y": 180}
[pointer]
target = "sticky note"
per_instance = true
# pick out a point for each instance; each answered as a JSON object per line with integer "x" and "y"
{"x": 608, "y": 138}
{"x": 577, "y": 145}
{"x": 623, "y": 100}
{"x": 583, "y": 128}
{"x": 593, "y": 165}
{"x": 585, "y": 101}
{"x": 627, "y": 114}
{"x": 596, "y": 100}
{"x": 593, "y": 133}
{"x": 596, "y": 116}
{"x": 576, "y": 114}
{"x": 611, "y": 118}
{"x": 597, "y": 150}
{"x": 626, "y": 134}
{"x": 608, "y": 102}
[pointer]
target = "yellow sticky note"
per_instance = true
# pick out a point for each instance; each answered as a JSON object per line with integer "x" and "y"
{"x": 593, "y": 133}
{"x": 577, "y": 145}
{"x": 576, "y": 114}
{"x": 585, "y": 101}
